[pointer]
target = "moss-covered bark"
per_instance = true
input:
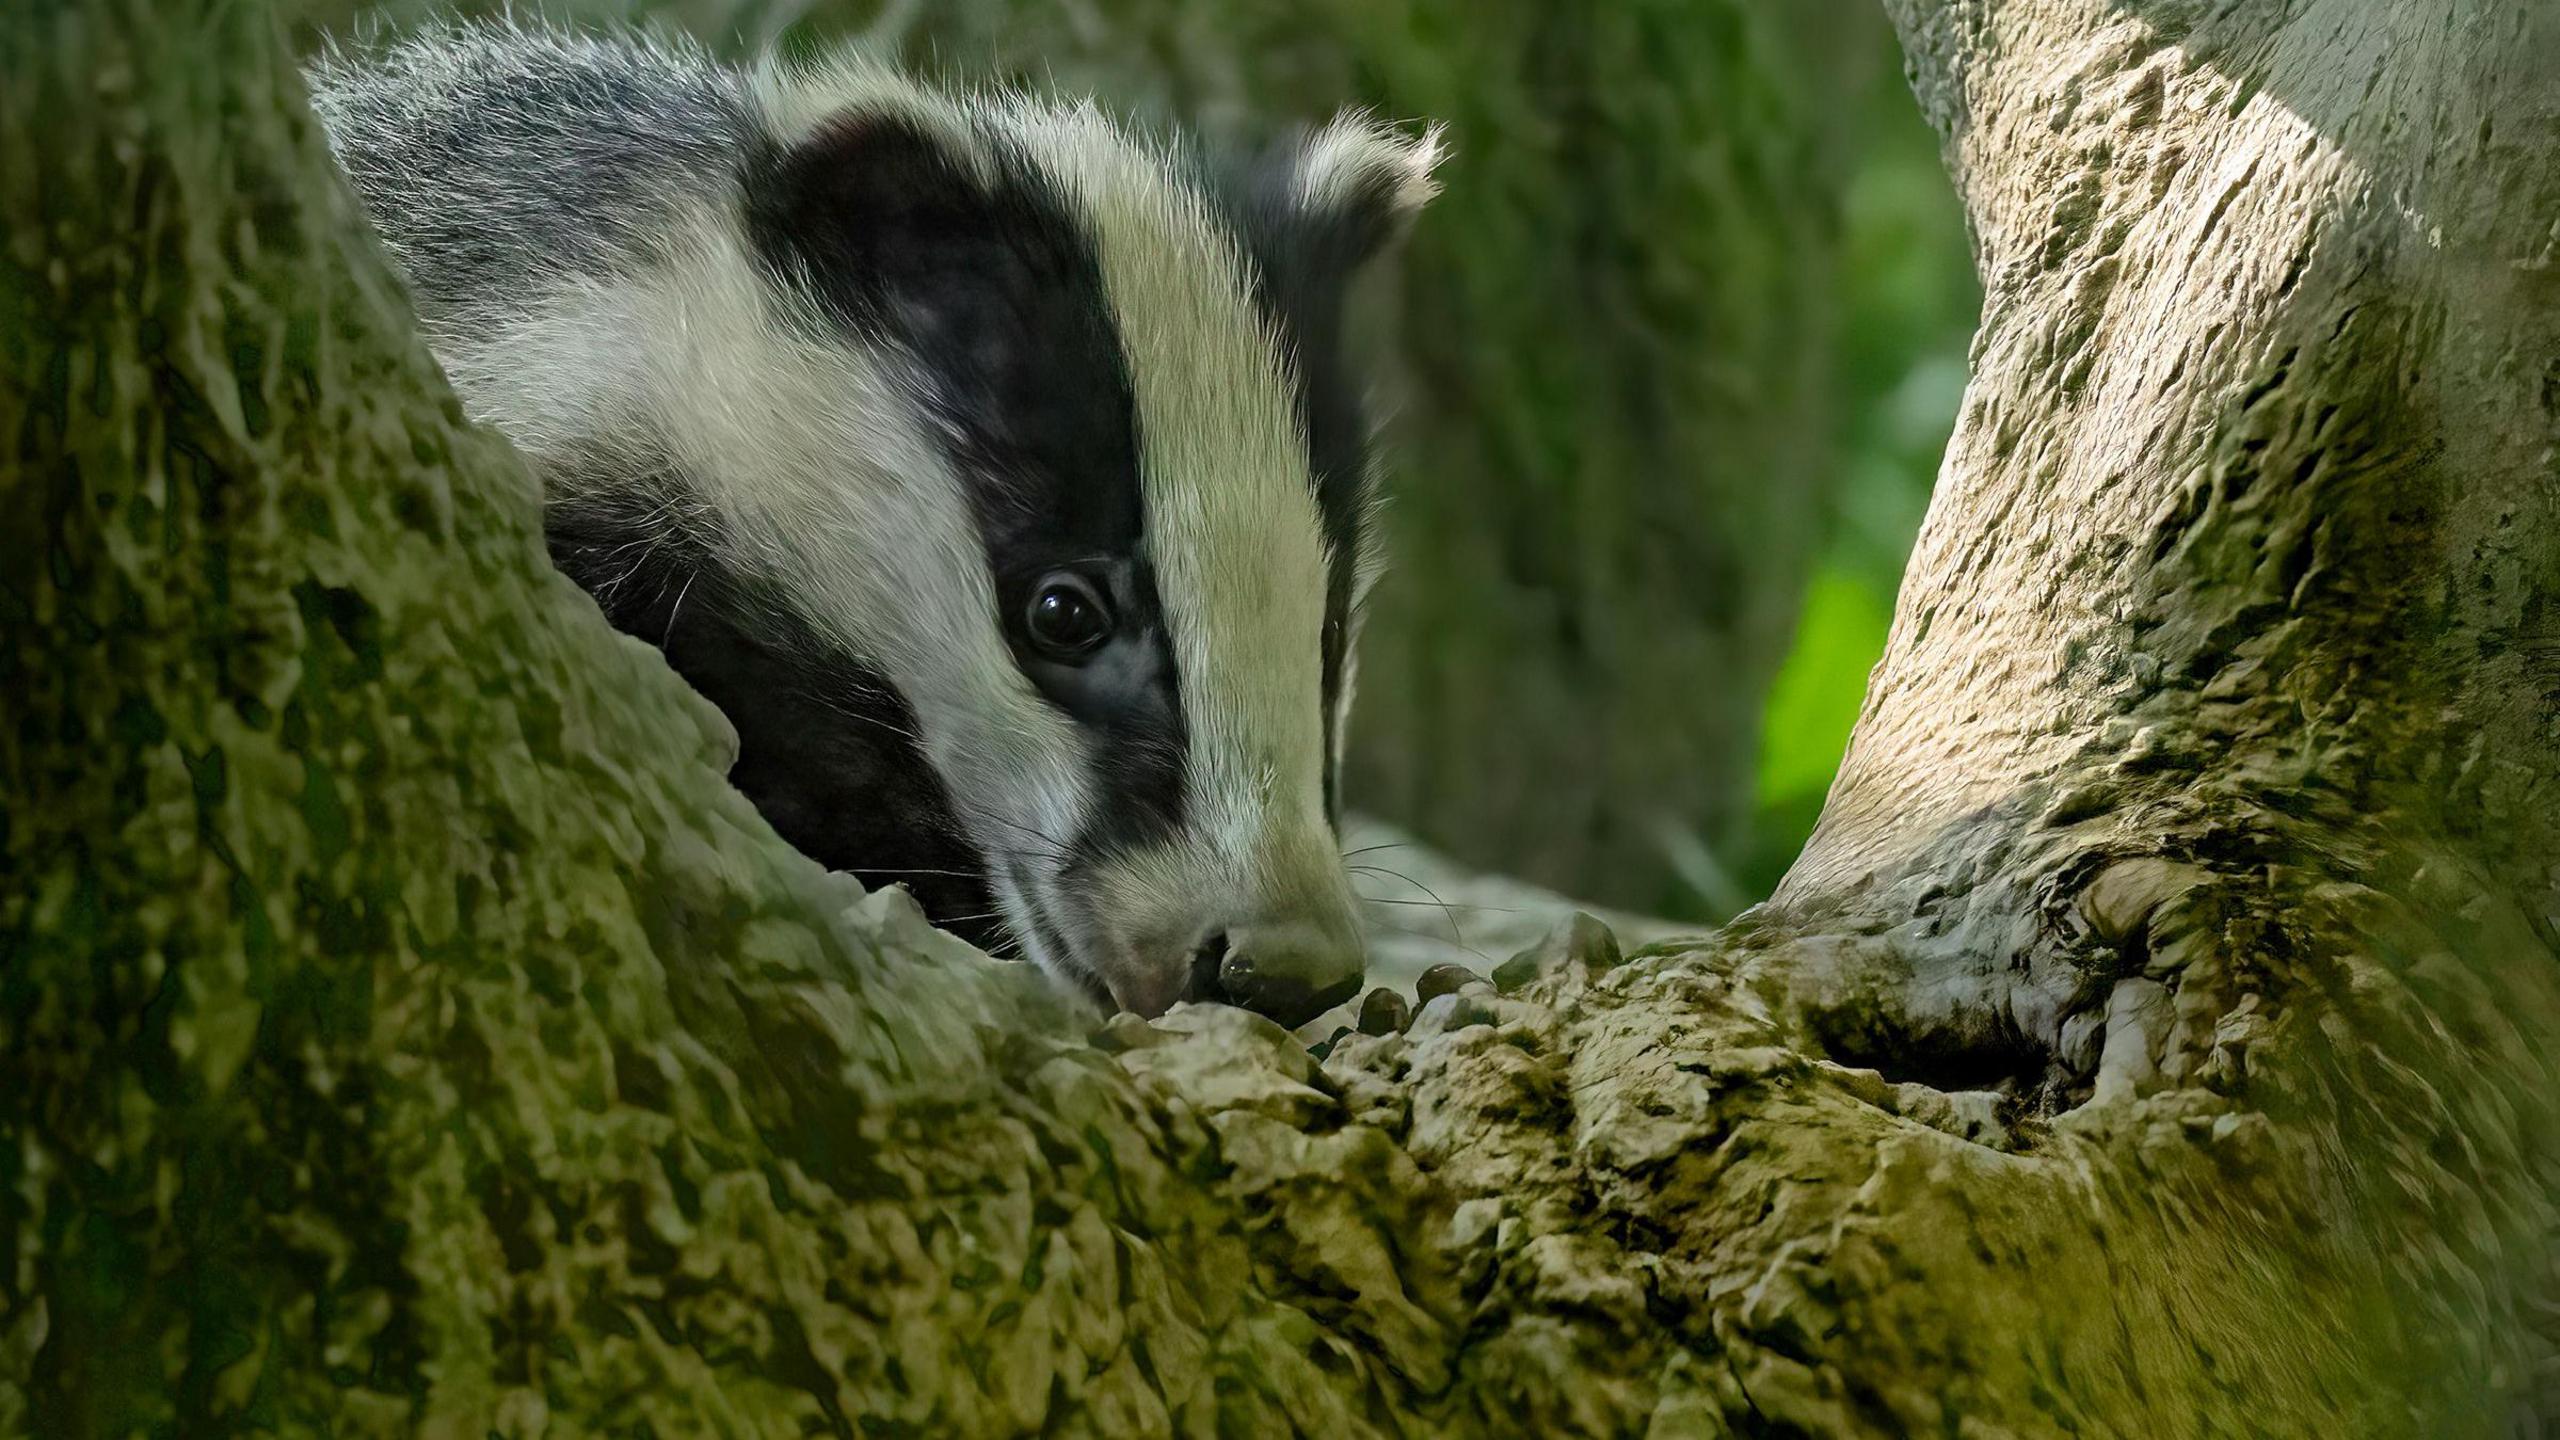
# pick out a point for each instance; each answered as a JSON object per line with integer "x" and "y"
{"x": 401, "y": 1030}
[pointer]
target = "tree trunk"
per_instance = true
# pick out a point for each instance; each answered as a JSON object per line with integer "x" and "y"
{"x": 402, "y": 1030}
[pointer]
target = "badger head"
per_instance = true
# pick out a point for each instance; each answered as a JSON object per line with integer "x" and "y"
{"x": 1013, "y": 506}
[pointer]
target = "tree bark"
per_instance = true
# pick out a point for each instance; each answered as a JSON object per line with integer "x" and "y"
{"x": 402, "y": 1030}
{"x": 2210, "y": 772}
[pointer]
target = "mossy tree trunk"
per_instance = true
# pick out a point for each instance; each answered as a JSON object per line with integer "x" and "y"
{"x": 403, "y": 1031}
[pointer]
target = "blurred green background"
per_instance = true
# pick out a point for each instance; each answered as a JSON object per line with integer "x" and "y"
{"x": 1668, "y": 368}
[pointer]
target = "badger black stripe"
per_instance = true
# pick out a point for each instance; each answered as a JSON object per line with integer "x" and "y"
{"x": 992, "y": 289}
{"x": 830, "y": 757}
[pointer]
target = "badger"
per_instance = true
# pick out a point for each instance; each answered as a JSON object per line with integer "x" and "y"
{"x": 994, "y": 469}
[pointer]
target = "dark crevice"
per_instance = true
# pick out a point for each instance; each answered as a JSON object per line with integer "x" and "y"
{"x": 1973, "y": 1053}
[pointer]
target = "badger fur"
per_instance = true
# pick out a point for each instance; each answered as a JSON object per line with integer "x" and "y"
{"x": 992, "y": 470}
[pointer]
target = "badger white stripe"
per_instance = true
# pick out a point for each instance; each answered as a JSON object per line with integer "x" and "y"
{"x": 1231, "y": 518}
{"x": 1359, "y": 147}
{"x": 795, "y": 99}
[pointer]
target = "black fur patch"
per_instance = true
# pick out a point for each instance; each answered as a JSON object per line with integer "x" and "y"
{"x": 826, "y": 748}
{"x": 996, "y": 294}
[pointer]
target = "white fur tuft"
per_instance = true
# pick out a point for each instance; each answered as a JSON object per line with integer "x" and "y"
{"x": 1358, "y": 156}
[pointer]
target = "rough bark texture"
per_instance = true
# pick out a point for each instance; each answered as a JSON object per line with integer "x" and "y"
{"x": 2209, "y": 782}
{"x": 1605, "y": 359}
{"x": 402, "y": 1031}
{"x": 405, "y": 1031}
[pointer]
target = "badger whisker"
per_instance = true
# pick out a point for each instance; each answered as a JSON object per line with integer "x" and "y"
{"x": 668, "y": 633}
{"x": 1455, "y": 933}
{"x": 1439, "y": 904}
{"x": 1391, "y": 874}
{"x": 1042, "y": 845}
{"x": 1434, "y": 937}
{"x": 917, "y": 870}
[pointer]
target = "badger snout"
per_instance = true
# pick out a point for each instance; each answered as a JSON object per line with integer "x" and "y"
{"x": 1289, "y": 971}
{"x": 1253, "y": 910}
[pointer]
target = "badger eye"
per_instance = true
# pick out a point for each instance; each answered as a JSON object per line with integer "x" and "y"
{"x": 1067, "y": 617}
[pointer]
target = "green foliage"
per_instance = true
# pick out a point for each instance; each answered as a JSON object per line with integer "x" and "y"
{"x": 1812, "y": 705}
{"x": 1910, "y": 301}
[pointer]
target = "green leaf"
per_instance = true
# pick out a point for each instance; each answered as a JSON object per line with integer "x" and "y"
{"x": 1805, "y": 725}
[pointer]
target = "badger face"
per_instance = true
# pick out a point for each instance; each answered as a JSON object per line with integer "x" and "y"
{"x": 1004, "y": 490}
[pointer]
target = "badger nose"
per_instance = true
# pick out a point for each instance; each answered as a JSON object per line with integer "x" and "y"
{"x": 1289, "y": 972}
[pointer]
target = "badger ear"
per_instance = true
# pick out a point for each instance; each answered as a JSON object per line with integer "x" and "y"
{"x": 1356, "y": 185}
{"x": 881, "y": 212}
